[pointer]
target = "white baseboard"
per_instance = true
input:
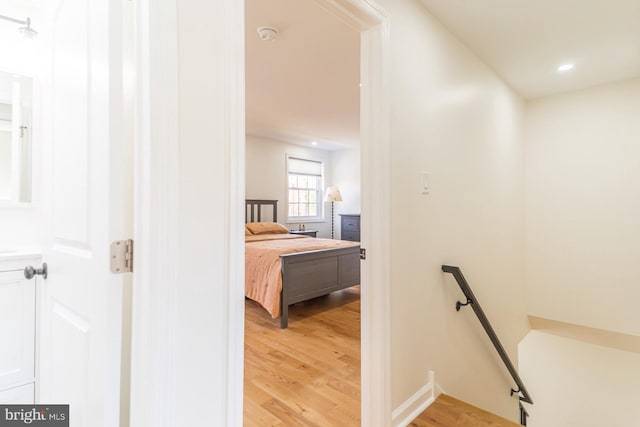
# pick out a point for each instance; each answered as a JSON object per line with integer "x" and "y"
{"x": 416, "y": 404}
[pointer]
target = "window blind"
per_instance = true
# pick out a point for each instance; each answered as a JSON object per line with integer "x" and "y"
{"x": 305, "y": 167}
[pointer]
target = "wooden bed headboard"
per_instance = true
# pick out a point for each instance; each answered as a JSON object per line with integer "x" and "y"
{"x": 253, "y": 211}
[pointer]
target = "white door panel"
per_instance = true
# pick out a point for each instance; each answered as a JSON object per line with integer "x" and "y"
{"x": 69, "y": 375}
{"x": 71, "y": 137}
{"x": 80, "y": 351}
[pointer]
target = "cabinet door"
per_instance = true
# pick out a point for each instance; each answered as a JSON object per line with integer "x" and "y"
{"x": 23, "y": 395}
{"x": 17, "y": 328}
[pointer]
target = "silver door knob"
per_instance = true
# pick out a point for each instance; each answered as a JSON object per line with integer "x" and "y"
{"x": 30, "y": 272}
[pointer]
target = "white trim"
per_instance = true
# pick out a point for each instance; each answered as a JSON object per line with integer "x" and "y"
{"x": 404, "y": 414}
{"x": 156, "y": 197}
{"x": 358, "y": 14}
{"x": 234, "y": 32}
{"x": 375, "y": 222}
{"x": 158, "y": 369}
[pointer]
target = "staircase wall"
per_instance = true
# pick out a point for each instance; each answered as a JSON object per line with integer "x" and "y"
{"x": 583, "y": 207}
{"x": 579, "y": 384}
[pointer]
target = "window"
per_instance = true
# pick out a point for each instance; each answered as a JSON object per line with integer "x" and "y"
{"x": 304, "y": 183}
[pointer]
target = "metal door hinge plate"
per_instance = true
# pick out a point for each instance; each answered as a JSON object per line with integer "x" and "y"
{"x": 363, "y": 253}
{"x": 122, "y": 256}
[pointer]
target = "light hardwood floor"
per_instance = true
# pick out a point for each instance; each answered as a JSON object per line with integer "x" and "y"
{"x": 449, "y": 412}
{"x": 309, "y": 373}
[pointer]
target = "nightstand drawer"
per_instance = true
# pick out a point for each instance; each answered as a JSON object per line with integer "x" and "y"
{"x": 352, "y": 236}
{"x": 350, "y": 224}
{"x": 350, "y": 227}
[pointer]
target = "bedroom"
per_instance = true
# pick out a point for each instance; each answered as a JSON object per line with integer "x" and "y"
{"x": 302, "y": 125}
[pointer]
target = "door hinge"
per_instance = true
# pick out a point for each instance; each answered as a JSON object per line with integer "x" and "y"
{"x": 122, "y": 256}
{"x": 363, "y": 253}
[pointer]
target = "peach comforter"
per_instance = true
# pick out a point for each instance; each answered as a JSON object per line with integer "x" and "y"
{"x": 263, "y": 278}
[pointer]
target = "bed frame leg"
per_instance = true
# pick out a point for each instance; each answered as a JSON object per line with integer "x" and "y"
{"x": 284, "y": 305}
{"x": 284, "y": 316}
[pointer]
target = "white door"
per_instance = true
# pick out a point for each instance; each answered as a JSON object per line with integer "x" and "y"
{"x": 85, "y": 174}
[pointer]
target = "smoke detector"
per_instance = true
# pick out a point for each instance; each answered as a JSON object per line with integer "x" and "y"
{"x": 267, "y": 34}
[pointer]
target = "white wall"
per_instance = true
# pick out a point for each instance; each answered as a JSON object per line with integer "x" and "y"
{"x": 578, "y": 384}
{"x": 20, "y": 227}
{"x": 583, "y": 207}
{"x": 267, "y": 176}
{"x": 454, "y": 118}
{"x": 18, "y": 54}
{"x": 345, "y": 174}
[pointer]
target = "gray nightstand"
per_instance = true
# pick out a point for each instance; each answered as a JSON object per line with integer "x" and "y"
{"x": 311, "y": 233}
{"x": 350, "y": 227}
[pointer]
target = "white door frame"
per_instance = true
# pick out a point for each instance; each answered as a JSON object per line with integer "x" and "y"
{"x": 375, "y": 146}
{"x": 157, "y": 367}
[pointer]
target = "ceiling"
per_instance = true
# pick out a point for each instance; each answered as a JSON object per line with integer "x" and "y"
{"x": 525, "y": 41}
{"x": 305, "y": 85}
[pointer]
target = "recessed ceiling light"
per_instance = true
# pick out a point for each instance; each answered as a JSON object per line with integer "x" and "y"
{"x": 314, "y": 143}
{"x": 565, "y": 67}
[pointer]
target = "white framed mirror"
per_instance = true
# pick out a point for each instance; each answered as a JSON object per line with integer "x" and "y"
{"x": 16, "y": 162}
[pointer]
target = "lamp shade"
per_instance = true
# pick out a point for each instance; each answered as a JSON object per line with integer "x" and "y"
{"x": 332, "y": 195}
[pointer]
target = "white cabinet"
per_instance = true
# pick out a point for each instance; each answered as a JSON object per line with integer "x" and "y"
{"x": 21, "y": 395}
{"x": 17, "y": 330}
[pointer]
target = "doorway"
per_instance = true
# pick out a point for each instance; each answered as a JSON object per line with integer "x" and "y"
{"x": 302, "y": 105}
{"x": 370, "y": 34}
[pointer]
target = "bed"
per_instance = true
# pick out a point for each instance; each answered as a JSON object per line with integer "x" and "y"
{"x": 283, "y": 269}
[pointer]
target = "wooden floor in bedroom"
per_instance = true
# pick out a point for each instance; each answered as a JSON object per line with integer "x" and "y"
{"x": 309, "y": 373}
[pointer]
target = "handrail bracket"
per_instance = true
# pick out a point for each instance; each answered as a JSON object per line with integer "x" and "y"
{"x": 460, "y": 305}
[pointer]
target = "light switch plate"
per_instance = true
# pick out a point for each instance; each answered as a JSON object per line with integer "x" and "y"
{"x": 424, "y": 183}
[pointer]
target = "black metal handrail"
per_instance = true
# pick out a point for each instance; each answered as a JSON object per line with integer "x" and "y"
{"x": 523, "y": 415}
{"x": 477, "y": 309}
